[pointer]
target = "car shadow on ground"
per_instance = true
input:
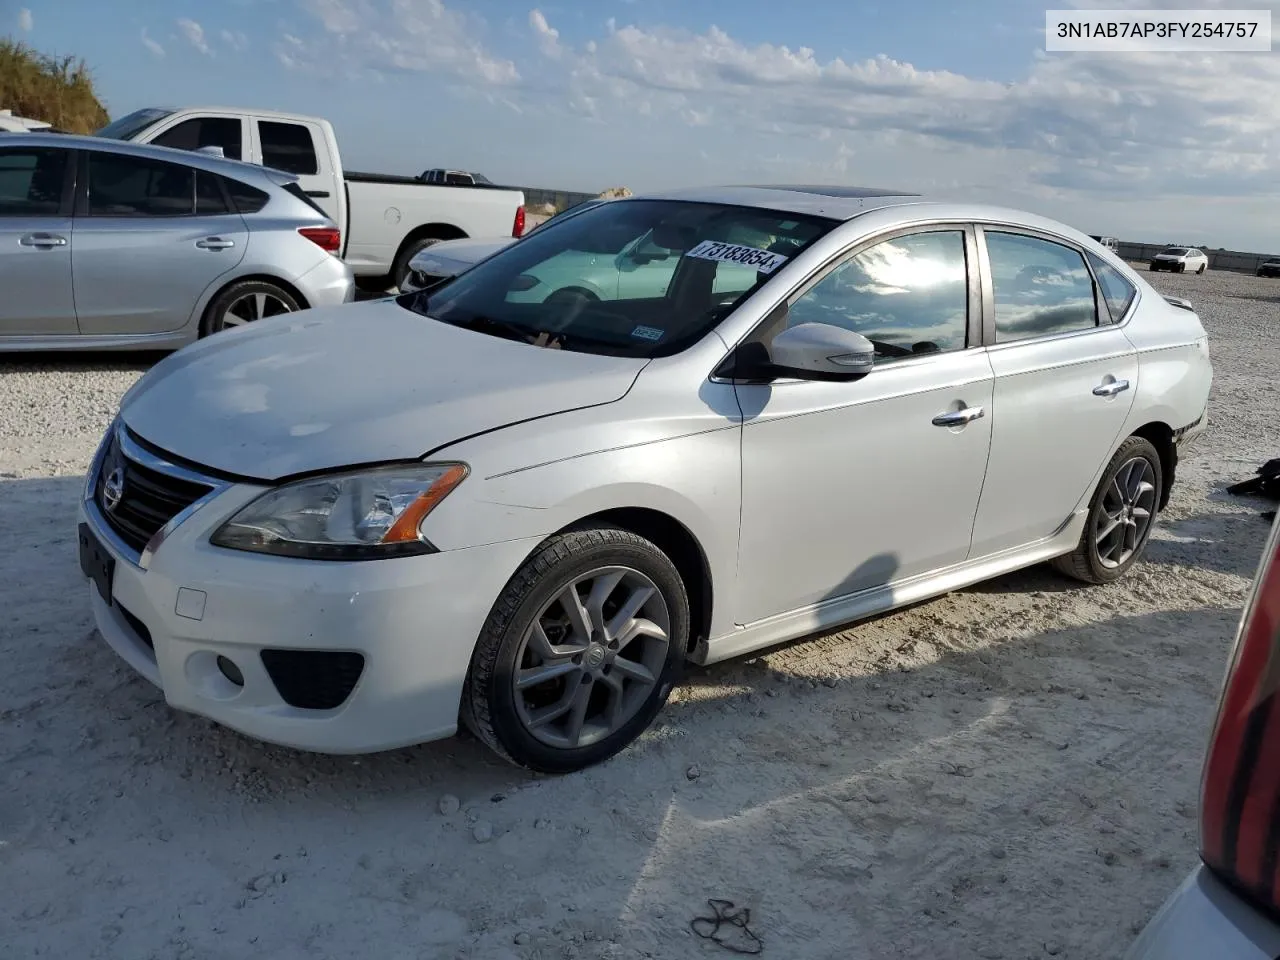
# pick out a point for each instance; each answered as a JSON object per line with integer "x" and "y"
{"x": 880, "y": 807}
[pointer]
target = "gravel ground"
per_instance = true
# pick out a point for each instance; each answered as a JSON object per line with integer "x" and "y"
{"x": 1009, "y": 771}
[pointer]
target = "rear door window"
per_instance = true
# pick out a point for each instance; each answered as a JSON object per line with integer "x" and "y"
{"x": 1041, "y": 287}
{"x": 288, "y": 147}
{"x": 125, "y": 186}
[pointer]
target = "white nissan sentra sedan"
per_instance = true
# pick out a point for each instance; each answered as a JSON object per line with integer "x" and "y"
{"x": 347, "y": 529}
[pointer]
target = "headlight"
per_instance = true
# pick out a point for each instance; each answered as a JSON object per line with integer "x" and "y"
{"x": 354, "y": 516}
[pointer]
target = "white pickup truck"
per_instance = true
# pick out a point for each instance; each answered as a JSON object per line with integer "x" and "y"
{"x": 385, "y": 220}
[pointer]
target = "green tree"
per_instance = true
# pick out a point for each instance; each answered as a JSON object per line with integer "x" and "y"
{"x": 57, "y": 90}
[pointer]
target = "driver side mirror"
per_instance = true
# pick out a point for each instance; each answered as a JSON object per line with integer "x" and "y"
{"x": 807, "y": 351}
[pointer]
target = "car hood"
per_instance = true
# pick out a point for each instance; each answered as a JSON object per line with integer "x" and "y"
{"x": 331, "y": 388}
{"x": 1170, "y": 256}
{"x": 450, "y": 257}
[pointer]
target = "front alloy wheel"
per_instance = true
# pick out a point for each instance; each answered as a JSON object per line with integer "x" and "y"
{"x": 580, "y": 651}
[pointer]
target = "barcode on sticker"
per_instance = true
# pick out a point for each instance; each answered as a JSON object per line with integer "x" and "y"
{"x": 762, "y": 260}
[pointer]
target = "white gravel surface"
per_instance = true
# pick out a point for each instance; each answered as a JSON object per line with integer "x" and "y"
{"x": 1009, "y": 771}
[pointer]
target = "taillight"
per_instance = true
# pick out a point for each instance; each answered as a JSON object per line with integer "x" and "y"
{"x": 328, "y": 239}
{"x": 517, "y": 228}
{"x": 1240, "y": 793}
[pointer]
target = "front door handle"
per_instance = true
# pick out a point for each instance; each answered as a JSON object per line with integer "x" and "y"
{"x": 214, "y": 243}
{"x": 43, "y": 240}
{"x": 1111, "y": 389}
{"x": 958, "y": 418}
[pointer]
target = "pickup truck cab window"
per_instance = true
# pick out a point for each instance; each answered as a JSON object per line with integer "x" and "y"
{"x": 224, "y": 132}
{"x": 288, "y": 147}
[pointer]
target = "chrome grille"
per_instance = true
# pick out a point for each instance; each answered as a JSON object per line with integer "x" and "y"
{"x": 137, "y": 500}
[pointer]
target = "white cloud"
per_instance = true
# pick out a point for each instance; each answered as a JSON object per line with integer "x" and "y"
{"x": 26, "y": 22}
{"x": 546, "y": 36}
{"x": 236, "y": 41}
{"x": 151, "y": 45}
{"x": 406, "y": 35}
{"x": 195, "y": 35}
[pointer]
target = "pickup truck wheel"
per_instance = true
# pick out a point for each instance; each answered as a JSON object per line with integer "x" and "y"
{"x": 245, "y": 302}
{"x": 400, "y": 269}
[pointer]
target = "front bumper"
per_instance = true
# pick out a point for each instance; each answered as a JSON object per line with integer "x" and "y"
{"x": 174, "y": 609}
{"x": 1203, "y": 919}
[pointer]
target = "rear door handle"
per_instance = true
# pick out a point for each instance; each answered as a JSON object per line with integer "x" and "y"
{"x": 1111, "y": 389}
{"x": 215, "y": 243}
{"x": 43, "y": 240}
{"x": 958, "y": 418}
{"x": 316, "y": 193}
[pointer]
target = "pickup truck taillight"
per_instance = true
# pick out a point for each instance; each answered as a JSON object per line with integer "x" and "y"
{"x": 328, "y": 239}
{"x": 1240, "y": 794}
{"x": 517, "y": 228}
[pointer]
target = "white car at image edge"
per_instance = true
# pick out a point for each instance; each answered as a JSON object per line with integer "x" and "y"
{"x": 347, "y": 530}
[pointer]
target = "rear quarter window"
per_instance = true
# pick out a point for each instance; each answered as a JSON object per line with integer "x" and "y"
{"x": 1116, "y": 290}
{"x": 244, "y": 198}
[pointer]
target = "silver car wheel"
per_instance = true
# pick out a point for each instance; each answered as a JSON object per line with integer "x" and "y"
{"x": 591, "y": 658}
{"x": 253, "y": 306}
{"x": 1125, "y": 513}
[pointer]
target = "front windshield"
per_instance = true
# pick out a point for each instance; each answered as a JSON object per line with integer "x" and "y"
{"x": 132, "y": 124}
{"x": 641, "y": 278}
{"x": 1175, "y": 252}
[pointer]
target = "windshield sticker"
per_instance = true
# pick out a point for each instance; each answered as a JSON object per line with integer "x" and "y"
{"x": 762, "y": 260}
{"x": 647, "y": 333}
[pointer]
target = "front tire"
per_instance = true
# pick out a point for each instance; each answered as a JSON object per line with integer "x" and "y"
{"x": 580, "y": 651}
{"x": 246, "y": 302}
{"x": 1122, "y": 514}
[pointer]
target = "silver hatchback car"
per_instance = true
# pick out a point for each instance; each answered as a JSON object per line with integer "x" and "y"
{"x": 112, "y": 245}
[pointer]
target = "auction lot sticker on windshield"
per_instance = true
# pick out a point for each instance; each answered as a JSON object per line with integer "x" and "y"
{"x": 762, "y": 260}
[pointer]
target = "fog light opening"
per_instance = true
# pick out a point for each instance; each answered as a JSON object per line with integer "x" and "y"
{"x": 229, "y": 670}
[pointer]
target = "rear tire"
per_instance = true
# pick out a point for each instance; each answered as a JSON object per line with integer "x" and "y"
{"x": 608, "y": 671}
{"x": 246, "y": 302}
{"x": 1122, "y": 514}
{"x": 1201, "y": 270}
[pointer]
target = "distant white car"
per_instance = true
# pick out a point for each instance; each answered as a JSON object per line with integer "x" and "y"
{"x": 1180, "y": 260}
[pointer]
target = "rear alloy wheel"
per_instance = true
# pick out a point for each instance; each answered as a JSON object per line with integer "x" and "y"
{"x": 580, "y": 651}
{"x": 246, "y": 302}
{"x": 1121, "y": 515}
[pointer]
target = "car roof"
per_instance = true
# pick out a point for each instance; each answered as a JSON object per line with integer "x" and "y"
{"x": 201, "y": 161}
{"x": 836, "y": 202}
{"x": 245, "y": 112}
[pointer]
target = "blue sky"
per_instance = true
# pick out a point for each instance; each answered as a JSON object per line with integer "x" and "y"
{"x": 949, "y": 99}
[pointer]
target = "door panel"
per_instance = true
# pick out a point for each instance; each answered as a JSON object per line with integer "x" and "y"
{"x": 1052, "y": 433}
{"x": 35, "y": 243}
{"x": 142, "y": 255}
{"x": 849, "y": 486}
{"x": 1064, "y": 387}
{"x": 35, "y": 277}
